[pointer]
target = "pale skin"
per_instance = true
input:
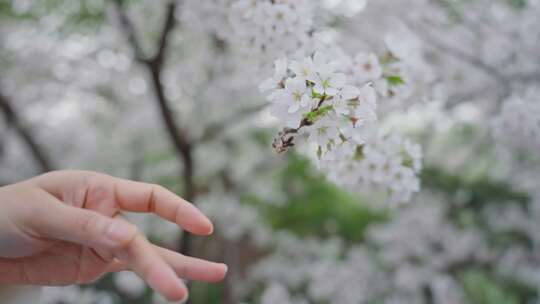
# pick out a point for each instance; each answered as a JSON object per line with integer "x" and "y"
{"x": 66, "y": 227}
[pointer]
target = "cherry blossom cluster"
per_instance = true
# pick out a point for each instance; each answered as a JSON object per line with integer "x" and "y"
{"x": 211, "y": 16}
{"x": 353, "y": 280}
{"x": 417, "y": 250}
{"x": 389, "y": 164}
{"x": 290, "y": 251}
{"x": 264, "y": 29}
{"x": 347, "y": 8}
{"x": 317, "y": 96}
{"x": 270, "y": 29}
{"x": 403, "y": 57}
{"x": 421, "y": 232}
{"x": 325, "y": 271}
{"x": 330, "y": 101}
{"x": 518, "y": 123}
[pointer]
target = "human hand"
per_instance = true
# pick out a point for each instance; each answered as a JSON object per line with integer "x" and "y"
{"x": 65, "y": 228}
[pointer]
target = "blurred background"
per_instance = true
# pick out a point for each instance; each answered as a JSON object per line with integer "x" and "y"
{"x": 166, "y": 92}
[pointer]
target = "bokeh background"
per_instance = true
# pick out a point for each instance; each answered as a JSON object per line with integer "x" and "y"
{"x": 156, "y": 91}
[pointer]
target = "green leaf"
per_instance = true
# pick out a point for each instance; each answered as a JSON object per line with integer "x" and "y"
{"x": 325, "y": 109}
{"x": 311, "y": 116}
{"x": 318, "y": 113}
{"x": 315, "y": 94}
{"x": 395, "y": 80}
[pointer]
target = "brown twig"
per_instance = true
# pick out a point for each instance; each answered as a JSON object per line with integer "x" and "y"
{"x": 285, "y": 139}
{"x": 129, "y": 31}
{"x": 13, "y": 119}
{"x": 177, "y": 136}
{"x": 170, "y": 24}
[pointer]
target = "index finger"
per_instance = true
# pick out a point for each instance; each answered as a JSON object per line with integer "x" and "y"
{"x": 128, "y": 196}
{"x": 141, "y": 197}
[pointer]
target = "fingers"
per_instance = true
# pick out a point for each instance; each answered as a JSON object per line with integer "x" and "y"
{"x": 185, "y": 267}
{"x": 150, "y": 266}
{"x": 12, "y": 272}
{"x": 114, "y": 234}
{"x": 80, "y": 226}
{"x": 131, "y": 196}
{"x": 117, "y": 266}
{"x": 141, "y": 197}
{"x": 157, "y": 266}
{"x": 193, "y": 268}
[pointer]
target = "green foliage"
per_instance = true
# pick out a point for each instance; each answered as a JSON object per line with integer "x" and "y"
{"x": 395, "y": 80}
{"x": 206, "y": 293}
{"x": 475, "y": 192}
{"x": 315, "y": 207}
{"x": 313, "y": 93}
{"x": 518, "y": 4}
{"x": 77, "y": 16}
{"x": 453, "y": 8}
{"x": 469, "y": 182}
{"x": 316, "y": 114}
{"x": 5, "y": 6}
{"x": 480, "y": 289}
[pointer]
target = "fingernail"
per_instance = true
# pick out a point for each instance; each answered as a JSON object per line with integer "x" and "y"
{"x": 119, "y": 232}
{"x": 184, "y": 300}
{"x": 226, "y": 268}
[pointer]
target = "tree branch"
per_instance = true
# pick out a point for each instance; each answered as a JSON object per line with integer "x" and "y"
{"x": 178, "y": 137}
{"x": 285, "y": 138}
{"x": 129, "y": 31}
{"x": 170, "y": 24}
{"x": 154, "y": 65}
{"x": 14, "y": 120}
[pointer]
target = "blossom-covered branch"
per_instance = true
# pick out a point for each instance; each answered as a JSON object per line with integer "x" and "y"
{"x": 332, "y": 102}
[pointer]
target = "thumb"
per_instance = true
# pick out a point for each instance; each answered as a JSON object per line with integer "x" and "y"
{"x": 56, "y": 220}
